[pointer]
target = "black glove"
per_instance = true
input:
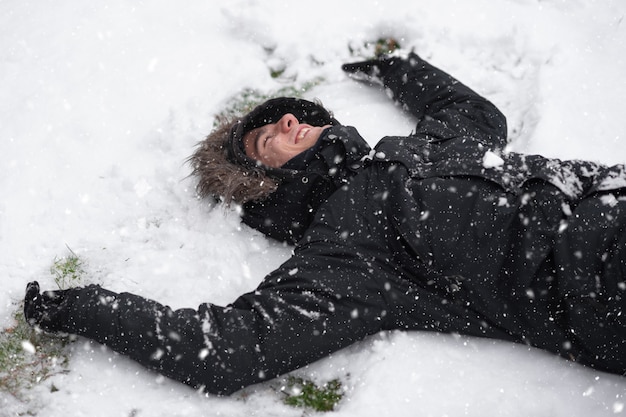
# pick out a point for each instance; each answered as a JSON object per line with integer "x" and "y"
{"x": 48, "y": 310}
{"x": 373, "y": 70}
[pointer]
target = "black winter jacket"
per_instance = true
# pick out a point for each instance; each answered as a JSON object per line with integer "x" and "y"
{"x": 440, "y": 231}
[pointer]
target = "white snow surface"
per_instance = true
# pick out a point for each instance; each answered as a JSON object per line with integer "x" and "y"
{"x": 102, "y": 102}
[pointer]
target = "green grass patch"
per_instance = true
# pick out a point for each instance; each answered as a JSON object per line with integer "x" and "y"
{"x": 68, "y": 270}
{"x": 372, "y": 49}
{"x": 29, "y": 357}
{"x": 305, "y": 393}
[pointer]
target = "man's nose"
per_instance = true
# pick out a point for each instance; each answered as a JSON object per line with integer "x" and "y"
{"x": 287, "y": 122}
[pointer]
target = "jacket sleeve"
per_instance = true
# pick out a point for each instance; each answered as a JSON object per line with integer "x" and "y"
{"x": 445, "y": 108}
{"x": 292, "y": 320}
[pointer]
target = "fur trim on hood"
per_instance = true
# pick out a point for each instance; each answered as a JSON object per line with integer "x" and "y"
{"x": 221, "y": 166}
{"x": 219, "y": 177}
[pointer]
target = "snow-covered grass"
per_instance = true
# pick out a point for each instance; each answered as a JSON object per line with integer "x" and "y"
{"x": 101, "y": 103}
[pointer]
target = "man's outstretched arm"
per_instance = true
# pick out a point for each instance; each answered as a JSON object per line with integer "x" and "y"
{"x": 445, "y": 107}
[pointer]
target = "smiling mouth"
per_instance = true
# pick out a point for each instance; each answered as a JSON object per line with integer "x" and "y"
{"x": 302, "y": 134}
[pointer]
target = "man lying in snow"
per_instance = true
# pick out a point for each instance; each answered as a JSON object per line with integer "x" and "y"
{"x": 440, "y": 230}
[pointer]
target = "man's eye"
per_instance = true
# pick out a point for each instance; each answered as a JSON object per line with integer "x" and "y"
{"x": 260, "y": 142}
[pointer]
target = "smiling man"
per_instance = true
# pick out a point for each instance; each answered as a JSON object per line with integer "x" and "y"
{"x": 440, "y": 230}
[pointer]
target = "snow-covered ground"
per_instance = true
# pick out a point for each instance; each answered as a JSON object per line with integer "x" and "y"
{"x": 101, "y": 103}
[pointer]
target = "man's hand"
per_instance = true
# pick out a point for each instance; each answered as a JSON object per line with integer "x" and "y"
{"x": 373, "y": 70}
{"x": 368, "y": 71}
{"x": 47, "y": 310}
{"x": 32, "y": 304}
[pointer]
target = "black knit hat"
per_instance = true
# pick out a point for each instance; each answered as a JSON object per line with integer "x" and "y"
{"x": 270, "y": 112}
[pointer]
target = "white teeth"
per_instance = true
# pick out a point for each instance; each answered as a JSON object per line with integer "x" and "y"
{"x": 302, "y": 134}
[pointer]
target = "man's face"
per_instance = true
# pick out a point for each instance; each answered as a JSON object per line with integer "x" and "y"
{"x": 276, "y": 143}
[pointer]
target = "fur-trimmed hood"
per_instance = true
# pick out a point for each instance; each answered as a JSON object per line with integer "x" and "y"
{"x": 219, "y": 177}
{"x": 221, "y": 165}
